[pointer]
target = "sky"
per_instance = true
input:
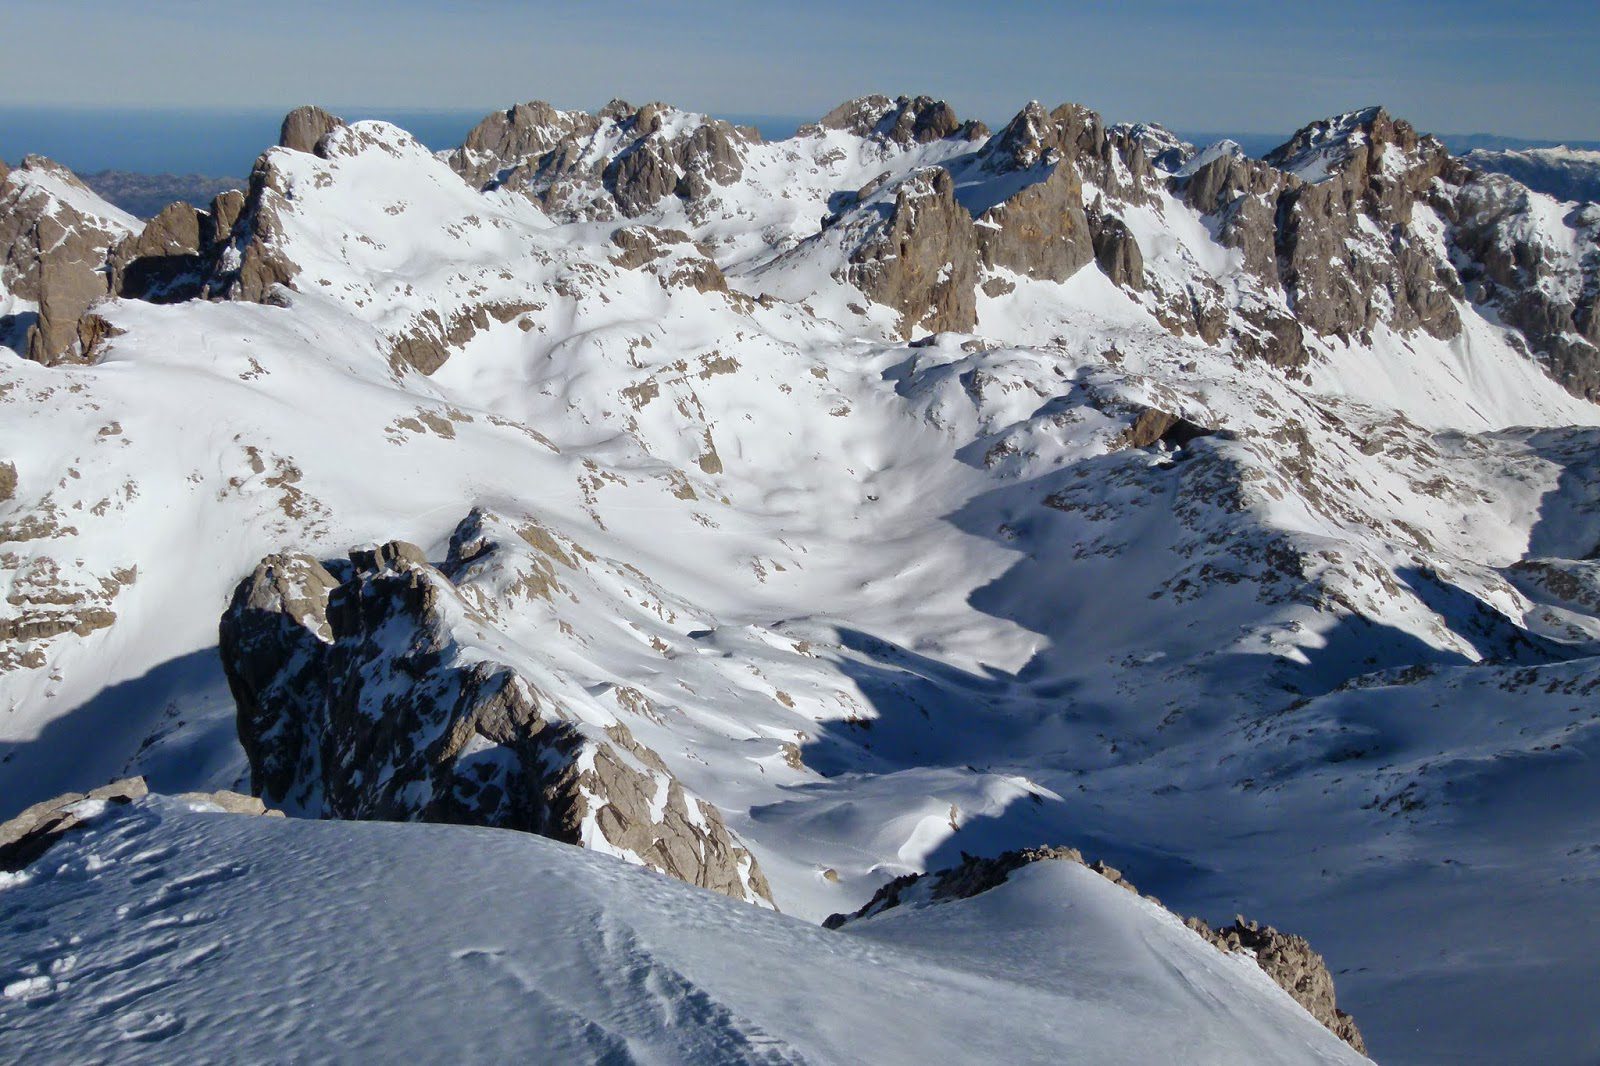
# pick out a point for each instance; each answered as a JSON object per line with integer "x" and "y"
{"x": 1530, "y": 69}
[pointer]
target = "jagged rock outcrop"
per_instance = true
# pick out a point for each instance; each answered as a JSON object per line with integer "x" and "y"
{"x": 1116, "y": 251}
{"x": 1546, "y": 285}
{"x": 1165, "y": 149}
{"x": 655, "y": 166}
{"x": 902, "y": 121}
{"x": 432, "y": 337}
{"x": 670, "y": 254}
{"x": 1289, "y": 960}
{"x": 1293, "y": 966}
{"x": 358, "y": 698}
{"x": 304, "y": 128}
{"x": 55, "y": 234}
{"x": 1341, "y": 277}
{"x": 921, "y": 258}
{"x": 624, "y": 160}
{"x": 166, "y": 260}
{"x": 249, "y": 264}
{"x": 520, "y": 135}
{"x": 1040, "y": 231}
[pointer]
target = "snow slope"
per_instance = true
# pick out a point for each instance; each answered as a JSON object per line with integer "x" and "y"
{"x": 162, "y": 934}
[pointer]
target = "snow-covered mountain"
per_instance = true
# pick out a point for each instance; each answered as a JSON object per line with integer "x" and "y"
{"x": 1565, "y": 173}
{"x": 789, "y": 517}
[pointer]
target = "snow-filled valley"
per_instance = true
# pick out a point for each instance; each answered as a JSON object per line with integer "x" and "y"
{"x": 788, "y": 517}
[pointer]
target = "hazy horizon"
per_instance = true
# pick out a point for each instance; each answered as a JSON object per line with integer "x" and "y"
{"x": 1532, "y": 71}
{"x": 225, "y": 141}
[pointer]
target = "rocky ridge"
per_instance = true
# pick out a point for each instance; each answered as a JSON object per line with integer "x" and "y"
{"x": 1289, "y": 960}
{"x": 360, "y": 696}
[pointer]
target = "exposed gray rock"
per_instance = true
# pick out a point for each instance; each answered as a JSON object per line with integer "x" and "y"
{"x": 1287, "y": 959}
{"x": 354, "y": 702}
{"x": 1042, "y": 230}
{"x": 262, "y": 264}
{"x": 53, "y": 252}
{"x": 164, "y": 261}
{"x": 921, "y": 259}
{"x": 1293, "y": 966}
{"x": 230, "y": 802}
{"x": 1341, "y": 280}
{"x": 33, "y": 832}
{"x": 522, "y": 134}
{"x": 1243, "y": 196}
{"x": 540, "y": 150}
{"x": 1164, "y": 149}
{"x": 432, "y": 337}
{"x": 1155, "y": 426}
{"x": 1548, "y": 298}
{"x": 903, "y": 121}
{"x": 305, "y": 126}
{"x": 1117, "y": 252}
{"x": 670, "y": 254}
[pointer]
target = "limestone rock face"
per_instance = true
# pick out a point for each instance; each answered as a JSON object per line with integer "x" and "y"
{"x": 1289, "y": 960}
{"x": 649, "y": 153}
{"x": 55, "y": 234}
{"x": 921, "y": 259}
{"x": 257, "y": 266}
{"x": 165, "y": 260}
{"x": 526, "y": 132}
{"x": 357, "y": 699}
{"x": 1341, "y": 279}
{"x": 305, "y": 126}
{"x": 432, "y": 336}
{"x": 1293, "y": 966}
{"x": 902, "y": 121}
{"x": 1117, "y": 252}
{"x": 1242, "y": 195}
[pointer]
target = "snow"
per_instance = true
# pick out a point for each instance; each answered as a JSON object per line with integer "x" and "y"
{"x": 162, "y": 934}
{"x": 933, "y": 572}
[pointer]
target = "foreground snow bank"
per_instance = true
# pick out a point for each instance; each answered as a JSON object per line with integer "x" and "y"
{"x": 164, "y": 933}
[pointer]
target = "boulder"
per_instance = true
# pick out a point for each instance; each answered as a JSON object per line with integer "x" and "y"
{"x": 37, "y": 829}
{"x": 164, "y": 261}
{"x": 305, "y": 126}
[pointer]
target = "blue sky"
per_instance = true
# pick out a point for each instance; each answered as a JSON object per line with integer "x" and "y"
{"x": 1530, "y": 69}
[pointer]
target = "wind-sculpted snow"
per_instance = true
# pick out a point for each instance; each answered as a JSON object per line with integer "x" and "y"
{"x": 162, "y": 933}
{"x": 1217, "y": 530}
